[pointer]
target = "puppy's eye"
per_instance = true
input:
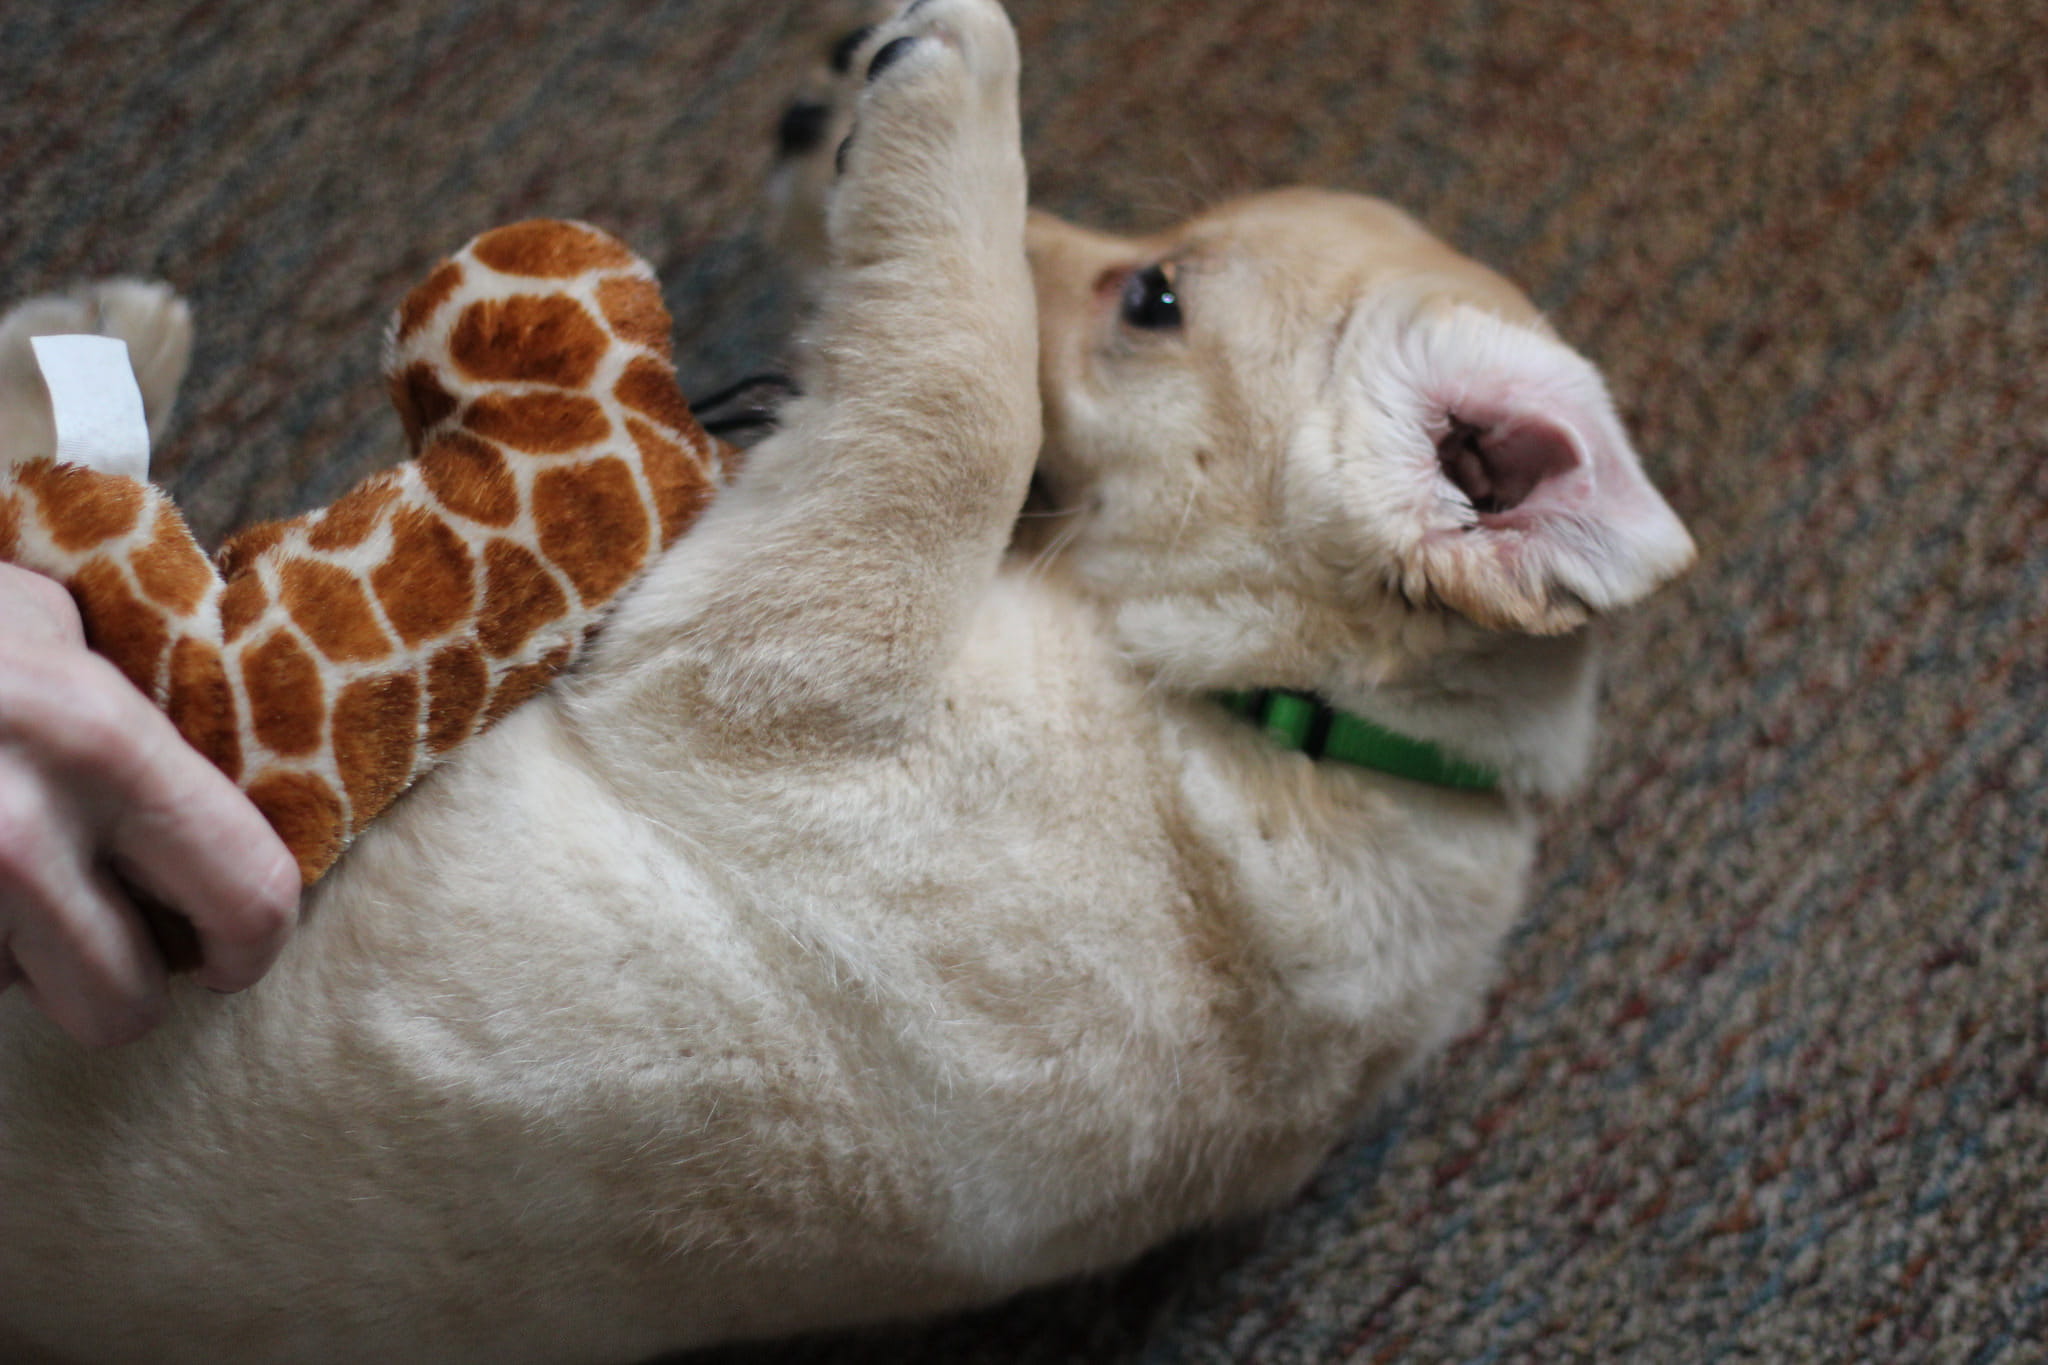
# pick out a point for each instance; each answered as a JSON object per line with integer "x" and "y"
{"x": 1150, "y": 301}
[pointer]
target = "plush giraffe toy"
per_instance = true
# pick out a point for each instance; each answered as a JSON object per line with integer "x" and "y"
{"x": 326, "y": 662}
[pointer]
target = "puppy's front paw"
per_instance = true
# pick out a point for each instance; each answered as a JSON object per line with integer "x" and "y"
{"x": 150, "y": 317}
{"x": 933, "y": 149}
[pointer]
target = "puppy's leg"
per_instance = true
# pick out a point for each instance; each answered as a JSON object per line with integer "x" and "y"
{"x": 151, "y": 318}
{"x": 835, "y": 577}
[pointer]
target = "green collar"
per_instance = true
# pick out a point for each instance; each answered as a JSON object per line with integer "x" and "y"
{"x": 1299, "y": 720}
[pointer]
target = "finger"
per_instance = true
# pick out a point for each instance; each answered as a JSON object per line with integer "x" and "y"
{"x": 85, "y": 959}
{"x": 171, "y": 823}
{"x": 188, "y": 838}
{"x": 35, "y": 610}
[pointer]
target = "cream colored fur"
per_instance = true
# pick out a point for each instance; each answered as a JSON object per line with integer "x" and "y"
{"x": 883, "y": 920}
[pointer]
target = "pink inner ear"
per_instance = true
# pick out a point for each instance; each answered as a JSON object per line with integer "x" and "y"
{"x": 1498, "y": 467}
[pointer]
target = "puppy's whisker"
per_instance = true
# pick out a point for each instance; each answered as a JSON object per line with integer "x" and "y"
{"x": 1180, "y": 529}
{"x": 1041, "y": 562}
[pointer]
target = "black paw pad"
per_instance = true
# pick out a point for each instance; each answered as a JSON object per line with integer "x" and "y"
{"x": 802, "y": 128}
{"x": 890, "y": 53}
{"x": 843, "y": 50}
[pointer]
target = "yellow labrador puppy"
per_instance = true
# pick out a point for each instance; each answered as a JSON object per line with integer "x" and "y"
{"x": 889, "y": 917}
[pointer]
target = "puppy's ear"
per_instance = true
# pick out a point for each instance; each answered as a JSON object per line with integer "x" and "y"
{"x": 1531, "y": 511}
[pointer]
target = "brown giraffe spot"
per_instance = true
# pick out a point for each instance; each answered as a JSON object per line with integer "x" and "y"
{"x": 170, "y": 933}
{"x": 431, "y": 293}
{"x": 376, "y": 731}
{"x": 354, "y": 515}
{"x": 132, "y": 634}
{"x": 650, "y": 386}
{"x": 429, "y": 580}
{"x": 306, "y": 814}
{"x": 544, "y": 423}
{"x": 632, "y": 305}
{"x": 528, "y": 338}
{"x": 680, "y": 488}
{"x": 520, "y": 596}
{"x": 240, "y": 605}
{"x": 421, "y": 401}
{"x": 518, "y": 685}
{"x": 241, "y": 550}
{"x": 729, "y": 458}
{"x": 330, "y": 605}
{"x": 10, "y": 524}
{"x": 592, "y": 524}
{"x": 457, "y": 681}
{"x": 171, "y": 569}
{"x": 81, "y": 508}
{"x": 526, "y": 681}
{"x": 549, "y": 249}
{"x": 469, "y": 478}
{"x": 287, "y": 707}
{"x": 202, "y": 704}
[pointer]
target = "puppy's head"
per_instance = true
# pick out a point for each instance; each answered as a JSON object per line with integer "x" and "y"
{"x": 1300, "y": 442}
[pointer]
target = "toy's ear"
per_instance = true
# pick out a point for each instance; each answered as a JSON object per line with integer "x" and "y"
{"x": 1537, "y": 514}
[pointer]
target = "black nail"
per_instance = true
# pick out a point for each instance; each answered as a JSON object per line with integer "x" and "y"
{"x": 839, "y": 157}
{"x": 891, "y": 50}
{"x": 843, "y": 50}
{"x": 802, "y": 128}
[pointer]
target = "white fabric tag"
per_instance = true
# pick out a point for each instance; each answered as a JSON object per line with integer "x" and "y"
{"x": 97, "y": 407}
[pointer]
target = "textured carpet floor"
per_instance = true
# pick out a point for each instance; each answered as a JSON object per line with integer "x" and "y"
{"x": 1766, "y": 1074}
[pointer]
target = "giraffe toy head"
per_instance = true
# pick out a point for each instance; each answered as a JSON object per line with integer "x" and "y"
{"x": 324, "y": 663}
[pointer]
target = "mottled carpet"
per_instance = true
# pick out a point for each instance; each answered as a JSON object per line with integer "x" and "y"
{"x": 1766, "y": 1074}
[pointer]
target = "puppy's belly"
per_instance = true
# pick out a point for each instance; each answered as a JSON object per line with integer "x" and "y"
{"x": 738, "y": 1056}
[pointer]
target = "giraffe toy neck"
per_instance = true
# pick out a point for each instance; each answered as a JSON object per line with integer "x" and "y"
{"x": 326, "y": 662}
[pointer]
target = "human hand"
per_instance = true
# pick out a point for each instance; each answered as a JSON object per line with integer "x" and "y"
{"x": 99, "y": 793}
